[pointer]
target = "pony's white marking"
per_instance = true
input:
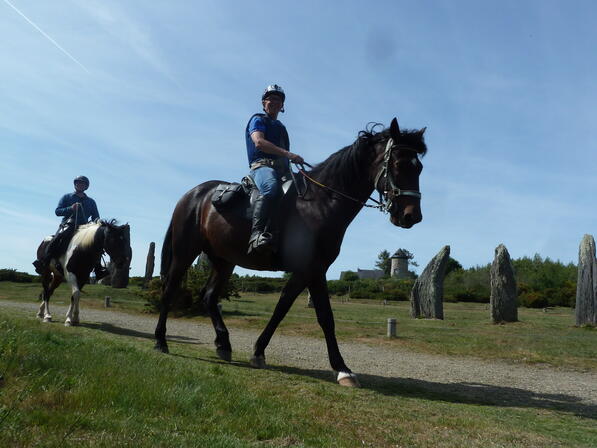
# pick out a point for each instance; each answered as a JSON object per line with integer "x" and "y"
{"x": 83, "y": 238}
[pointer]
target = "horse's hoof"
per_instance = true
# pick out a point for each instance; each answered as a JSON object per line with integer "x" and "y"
{"x": 74, "y": 323}
{"x": 258, "y": 362}
{"x": 226, "y": 355}
{"x": 348, "y": 379}
{"x": 40, "y": 315}
{"x": 161, "y": 347}
{"x": 67, "y": 323}
{"x": 48, "y": 319}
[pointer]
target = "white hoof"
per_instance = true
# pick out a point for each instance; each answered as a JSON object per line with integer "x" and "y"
{"x": 47, "y": 318}
{"x": 348, "y": 379}
{"x": 258, "y": 362}
{"x": 68, "y": 323}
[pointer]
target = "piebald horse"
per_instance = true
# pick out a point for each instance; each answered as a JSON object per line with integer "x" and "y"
{"x": 84, "y": 250}
{"x": 311, "y": 225}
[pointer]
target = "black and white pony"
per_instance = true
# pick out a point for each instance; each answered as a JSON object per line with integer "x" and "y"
{"x": 84, "y": 251}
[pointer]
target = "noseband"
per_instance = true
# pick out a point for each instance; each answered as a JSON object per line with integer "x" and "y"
{"x": 390, "y": 191}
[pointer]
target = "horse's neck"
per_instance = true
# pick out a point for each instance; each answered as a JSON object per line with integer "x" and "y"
{"x": 98, "y": 240}
{"x": 342, "y": 207}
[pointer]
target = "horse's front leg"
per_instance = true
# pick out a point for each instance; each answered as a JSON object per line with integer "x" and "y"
{"x": 295, "y": 285}
{"x": 72, "y": 315}
{"x": 325, "y": 318}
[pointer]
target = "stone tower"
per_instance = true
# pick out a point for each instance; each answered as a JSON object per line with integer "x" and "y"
{"x": 399, "y": 266}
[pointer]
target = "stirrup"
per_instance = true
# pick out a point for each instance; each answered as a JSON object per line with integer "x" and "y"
{"x": 260, "y": 242}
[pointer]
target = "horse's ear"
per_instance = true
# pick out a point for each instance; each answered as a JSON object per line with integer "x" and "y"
{"x": 422, "y": 131}
{"x": 395, "y": 130}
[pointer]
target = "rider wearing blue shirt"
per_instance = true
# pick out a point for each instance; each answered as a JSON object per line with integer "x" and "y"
{"x": 76, "y": 208}
{"x": 267, "y": 151}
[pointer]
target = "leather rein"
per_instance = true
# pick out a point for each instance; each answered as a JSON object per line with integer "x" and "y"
{"x": 386, "y": 194}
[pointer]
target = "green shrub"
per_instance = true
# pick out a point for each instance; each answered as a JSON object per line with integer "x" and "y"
{"x": 12, "y": 275}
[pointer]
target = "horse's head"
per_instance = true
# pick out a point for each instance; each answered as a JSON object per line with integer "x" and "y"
{"x": 117, "y": 243}
{"x": 398, "y": 171}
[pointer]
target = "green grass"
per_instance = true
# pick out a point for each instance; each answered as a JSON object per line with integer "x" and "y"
{"x": 538, "y": 338}
{"x": 80, "y": 387}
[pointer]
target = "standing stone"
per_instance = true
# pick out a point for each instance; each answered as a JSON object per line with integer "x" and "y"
{"x": 309, "y": 300}
{"x": 586, "y": 285}
{"x": 502, "y": 301}
{"x": 426, "y": 297}
{"x": 149, "y": 265}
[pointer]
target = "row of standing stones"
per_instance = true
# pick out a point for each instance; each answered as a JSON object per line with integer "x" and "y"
{"x": 427, "y": 293}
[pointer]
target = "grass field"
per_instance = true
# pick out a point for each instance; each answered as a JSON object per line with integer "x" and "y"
{"x": 79, "y": 387}
{"x": 539, "y": 337}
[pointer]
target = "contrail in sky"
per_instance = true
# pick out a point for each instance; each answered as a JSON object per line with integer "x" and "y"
{"x": 46, "y": 36}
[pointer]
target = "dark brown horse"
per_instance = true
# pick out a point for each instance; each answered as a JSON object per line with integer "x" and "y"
{"x": 311, "y": 227}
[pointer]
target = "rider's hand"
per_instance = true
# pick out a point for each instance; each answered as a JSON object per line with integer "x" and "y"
{"x": 295, "y": 158}
{"x": 75, "y": 206}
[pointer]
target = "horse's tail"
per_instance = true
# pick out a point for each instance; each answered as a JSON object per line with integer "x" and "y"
{"x": 166, "y": 254}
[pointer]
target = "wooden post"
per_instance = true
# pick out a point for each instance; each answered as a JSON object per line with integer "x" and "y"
{"x": 149, "y": 265}
{"x": 502, "y": 301}
{"x": 391, "y": 327}
{"x": 426, "y": 297}
{"x": 586, "y": 285}
{"x": 107, "y": 302}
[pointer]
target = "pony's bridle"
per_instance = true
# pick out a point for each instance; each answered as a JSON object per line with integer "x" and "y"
{"x": 390, "y": 191}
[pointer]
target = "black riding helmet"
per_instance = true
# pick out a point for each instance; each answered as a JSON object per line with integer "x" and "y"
{"x": 83, "y": 179}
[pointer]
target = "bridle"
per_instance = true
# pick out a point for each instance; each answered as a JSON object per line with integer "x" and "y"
{"x": 390, "y": 191}
{"x": 387, "y": 194}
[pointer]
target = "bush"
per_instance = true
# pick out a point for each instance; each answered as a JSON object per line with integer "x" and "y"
{"x": 189, "y": 299}
{"x": 532, "y": 299}
{"x": 12, "y": 275}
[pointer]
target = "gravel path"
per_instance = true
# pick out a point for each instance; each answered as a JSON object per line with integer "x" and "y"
{"x": 391, "y": 371}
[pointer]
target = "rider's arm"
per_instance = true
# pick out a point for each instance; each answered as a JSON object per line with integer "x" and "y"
{"x": 268, "y": 147}
{"x": 64, "y": 209}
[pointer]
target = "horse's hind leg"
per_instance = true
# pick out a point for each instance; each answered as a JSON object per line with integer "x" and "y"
{"x": 169, "y": 288}
{"x": 221, "y": 272}
{"x": 49, "y": 284}
{"x": 292, "y": 289}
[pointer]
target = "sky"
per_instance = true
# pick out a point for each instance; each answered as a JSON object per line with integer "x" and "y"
{"x": 149, "y": 99}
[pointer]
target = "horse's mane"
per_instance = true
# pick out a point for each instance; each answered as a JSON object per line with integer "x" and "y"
{"x": 85, "y": 234}
{"x": 344, "y": 164}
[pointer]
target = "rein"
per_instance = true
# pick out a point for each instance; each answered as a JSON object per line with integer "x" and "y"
{"x": 386, "y": 196}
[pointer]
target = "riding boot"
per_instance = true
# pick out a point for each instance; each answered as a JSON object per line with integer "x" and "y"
{"x": 260, "y": 239}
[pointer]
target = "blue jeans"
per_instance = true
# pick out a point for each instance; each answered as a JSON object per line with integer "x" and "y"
{"x": 266, "y": 180}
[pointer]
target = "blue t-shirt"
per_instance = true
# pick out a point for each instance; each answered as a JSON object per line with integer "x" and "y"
{"x": 88, "y": 210}
{"x": 274, "y": 132}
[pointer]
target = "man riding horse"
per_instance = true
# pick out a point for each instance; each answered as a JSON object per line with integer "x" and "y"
{"x": 268, "y": 151}
{"x": 76, "y": 208}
